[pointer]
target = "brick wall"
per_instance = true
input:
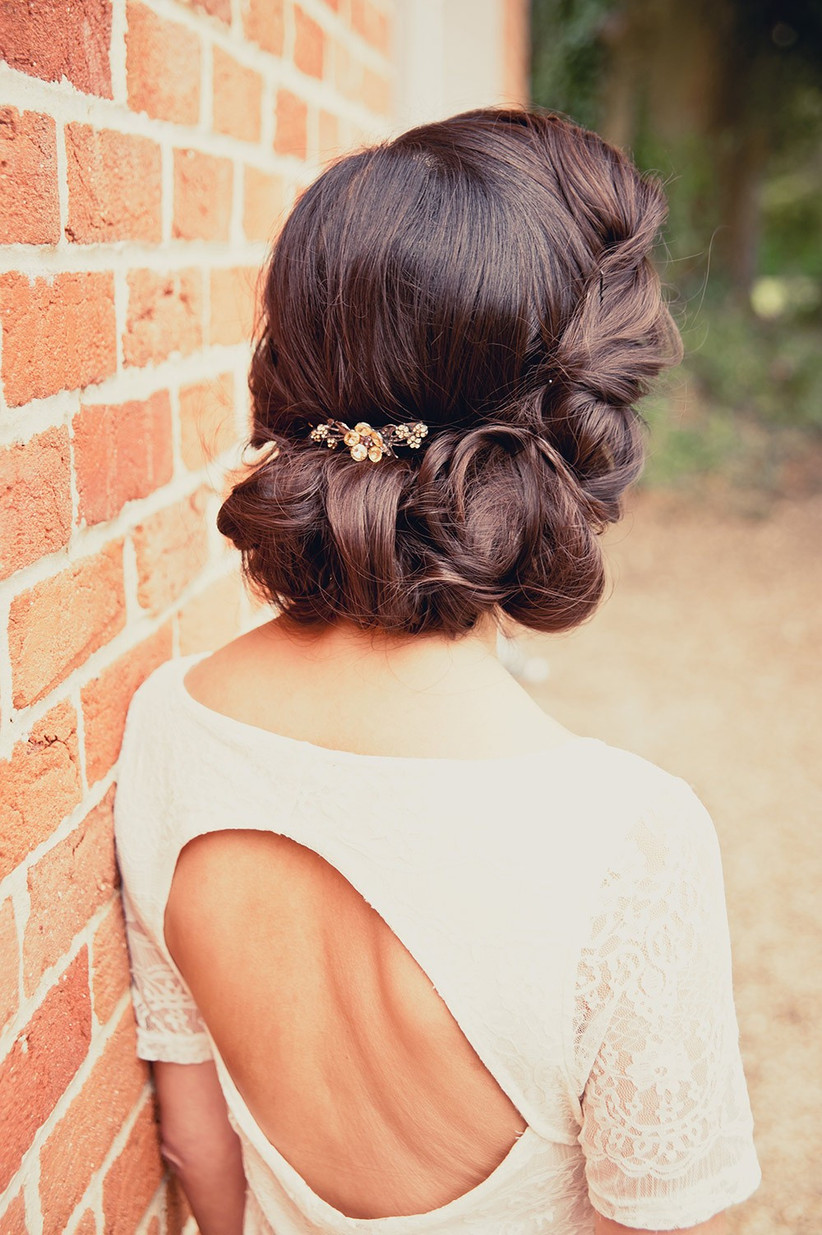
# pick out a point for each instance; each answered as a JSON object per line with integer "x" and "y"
{"x": 147, "y": 150}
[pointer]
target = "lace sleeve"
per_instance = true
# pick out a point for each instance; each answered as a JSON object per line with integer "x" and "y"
{"x": 169, "y": 1026}
{"x": 666, "y": 1124}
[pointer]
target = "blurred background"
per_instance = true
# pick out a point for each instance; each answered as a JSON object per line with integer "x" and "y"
{"x": 706, "y": 657}
{"x": 723, "y": 99}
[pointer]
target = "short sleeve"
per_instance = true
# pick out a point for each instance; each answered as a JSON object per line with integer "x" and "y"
{"x": 169, "y": 1025}
{"x": 666, "y": 1123}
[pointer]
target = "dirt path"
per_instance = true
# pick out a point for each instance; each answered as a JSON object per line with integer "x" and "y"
{"x": 707, "y": 659}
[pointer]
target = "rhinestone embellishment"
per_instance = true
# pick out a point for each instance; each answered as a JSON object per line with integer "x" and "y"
{"x": 365, "y": 442}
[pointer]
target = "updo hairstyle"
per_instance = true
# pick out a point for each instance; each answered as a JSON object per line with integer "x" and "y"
{"x": 490, "y": 276}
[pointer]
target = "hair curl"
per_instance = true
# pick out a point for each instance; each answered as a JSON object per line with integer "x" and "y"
{"x": 489, "y": 275}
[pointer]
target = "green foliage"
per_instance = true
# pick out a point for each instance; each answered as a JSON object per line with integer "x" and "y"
{"x": 743, "y": 174}
{"x": 568, "y": 55}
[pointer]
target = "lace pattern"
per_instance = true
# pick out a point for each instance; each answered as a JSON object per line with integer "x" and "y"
{"x": 169, "y": 1025}
{"x": 665, "y": 1109}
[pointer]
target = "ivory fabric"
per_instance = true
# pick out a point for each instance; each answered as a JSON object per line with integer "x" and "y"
{"x": 568, "y": 907}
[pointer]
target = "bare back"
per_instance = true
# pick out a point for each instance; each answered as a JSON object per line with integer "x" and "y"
{"x": 348, "y": 1059}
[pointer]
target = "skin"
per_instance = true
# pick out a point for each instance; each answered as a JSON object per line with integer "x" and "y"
{"x": 348, "y": 1059}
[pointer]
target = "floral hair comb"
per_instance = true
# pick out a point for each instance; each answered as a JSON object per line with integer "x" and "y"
{"x": 364, "y": 442}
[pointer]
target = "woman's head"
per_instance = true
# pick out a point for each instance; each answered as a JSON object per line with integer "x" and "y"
{"x": 490, "y": 276}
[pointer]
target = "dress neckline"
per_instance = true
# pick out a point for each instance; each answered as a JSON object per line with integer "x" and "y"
{"x": 231, "y": 724}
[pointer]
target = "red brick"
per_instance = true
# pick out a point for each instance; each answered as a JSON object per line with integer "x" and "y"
{"x": 330, "y": 145}
{"x": 106, "y": 698}
{"x": 42, "y": 1062}
{"x": 207, "y": 420}
{"x": 58, "y": 623}
{"x": 110, "y": 977}
{"x": 58, "y": 333}
{"x": 291, "y": 133}
{"x": 371, "y": 24}
{"x": 162, "y": 67}
{"x": 66, "y": 888}
{"x": 78, "y": 1145}
{"x": 35, "y": 499}
{"x": 165, "y": 315}
{"x": 214, "y": 8}
{"x": 233, "y": 304}
{"x": 121, "y": 453}
{"x": 212, "y": 618}
{"x": 309, "y": 46}
{"x": 202, "y": 196}
{"x": 9, "y": 950}
{"x": 134, "y": 1176}
{"x": 374, "y": 91}
{"x": 115, "y": 186}
{"x": 13, "y": 1221}
{"x": 172, "y": 549}
{"x": 238, "y": 98}
{"x": 39, "y": 785}
{"x": 87, "y": 1224}
{"x": 263, "y": 24}
{"x": 264, "y": 204}
{"x": 29, "y": 207}
{"x": 52, "y": 39}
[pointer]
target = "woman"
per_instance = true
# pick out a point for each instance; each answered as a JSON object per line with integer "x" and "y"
{"x": 408, "y": 955}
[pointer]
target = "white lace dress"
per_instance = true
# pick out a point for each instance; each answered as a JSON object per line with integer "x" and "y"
{"x": 567, "y": 906}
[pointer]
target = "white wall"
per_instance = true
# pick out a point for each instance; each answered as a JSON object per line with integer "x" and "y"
{"x": 450, "y": 56}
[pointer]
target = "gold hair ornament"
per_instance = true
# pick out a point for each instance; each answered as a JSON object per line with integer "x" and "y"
{"x": 364, "y": 442}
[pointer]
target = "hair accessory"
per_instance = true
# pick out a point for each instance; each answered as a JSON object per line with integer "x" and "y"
{"x": 363, "y": 442}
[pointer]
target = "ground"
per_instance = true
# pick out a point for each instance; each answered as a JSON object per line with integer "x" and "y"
{"x": 707, "y": 659}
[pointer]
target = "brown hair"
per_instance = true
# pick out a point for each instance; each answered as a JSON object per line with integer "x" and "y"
{"x": 490, "y": 276}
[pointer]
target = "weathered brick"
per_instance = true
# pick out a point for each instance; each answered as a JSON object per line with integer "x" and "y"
{"x": 42, "y": 1062}
{"x": 53, "y": 39}
{"x": 212, "y": 618}
{"x": 78, "y": 1145}
{"x": 172, "y": 549}
{"x": 134, "y": 1176}
{"x": 106, "y": 698}
{"x": 263, "y": 24}
{"x": 115, "y": 186}
{"x": 165, "y": 315}
{"x": 39, "y": 785}
{"x": 110, "y": 975}
{"x": 35, "y": 499}
{"x": 233, "y": 304}
{"x": 13, "y": 1219}
{"x": 162, "y": 66}
{"x": 309, "y": 47}
{"x": 202, "y": 196}
{"x": 9, "y": 978}
{"x": 207, "y": 425}
{"x": 263, "y": 204}
{"x": 329, "y": 136}
{"x": 238, "y": 96}
{"x": 371, "y": 24}
{"x": 58, "y": 334}
{"x": 87, "y": 1224}
{"x": 57, "y": 624}
{"x": 66, "y": 887}
{"x": 120, "y": 453}
{"x": 29, "y": 206}
{"x": 374, "y": 91}
{"x": 291, "y": 132}
{"x": 214, "y": 8}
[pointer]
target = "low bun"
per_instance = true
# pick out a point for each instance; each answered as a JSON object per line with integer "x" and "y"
{"x": 490, "y": 276}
